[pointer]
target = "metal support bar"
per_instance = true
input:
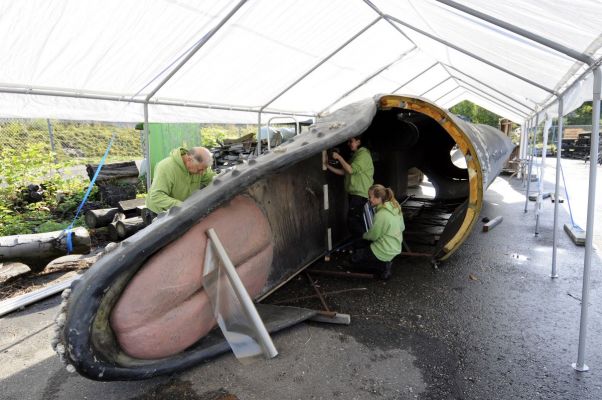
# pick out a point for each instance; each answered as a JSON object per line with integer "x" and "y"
{"x": 119, "y": 98}
{"x": 470, "y": 54}
{"x": 379, "y": 12}
{"x": 589, "y": 230}
{"x": 531, "y": 161}
{"x": 584, "y": 58}
{"x": 368, "y": 79}
{"x": 542, "y": 170}
{"x": 487, "y": 86}
{"x": 447, "y": 93}
{"x": 243, "y": 296}
{"x": 554, "y": 273}
{"x": 147, "y": 149}
{"x": 494, "y": 99}
{"x": 436, "y": 86}
{"x": 418, "y": 75}
{"x": 51, "y": 136}
{"x": 196, "y": 48}
{"x": 341, "y": 47}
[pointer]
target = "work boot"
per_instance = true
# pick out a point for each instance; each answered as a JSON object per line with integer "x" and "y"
{"x": 386, "y": 273}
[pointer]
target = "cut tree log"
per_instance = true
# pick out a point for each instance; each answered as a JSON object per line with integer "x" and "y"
{"x": 127, "y": 227}
{"x": 9, "y": 271}
{"x": 131, "y": 206}
{"x": 38, "y": 249}
{"x": 99, "y": 218}
{"x": 72, "y": 261}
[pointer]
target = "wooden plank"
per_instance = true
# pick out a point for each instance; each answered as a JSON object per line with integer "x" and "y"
{"x": 131, "y": 205}
{"x": 15, "y": 303}
{"x": 492, "y": 223}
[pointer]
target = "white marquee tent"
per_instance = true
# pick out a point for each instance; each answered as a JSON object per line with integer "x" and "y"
{"x": 236, "y": 61}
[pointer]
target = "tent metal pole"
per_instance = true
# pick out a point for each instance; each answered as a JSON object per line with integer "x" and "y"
{"x": 554, "y": 273}
{"x": 328, "y": 57}
{"x": 368, "y": 79}
{"x": 542, "y": 170}
{"x": 196, "y": 48}
{"x": 259, "y": 133}
{"x": 177, "y": 103}
{"x": 412, "y": 79}
{"x": 470, "y": 54}
{"x": 451, "y": 91}
{"x": 589, "y": 230}
{"x": 502, "y": 103}
{"x": 147, "y": 148}
{"x": 436, "y": 86}
{"x": 531, "y": 161}
{"x": 382, "y": 14}
{"x": 521, "y": 32}
{"x": 488, "y": 87}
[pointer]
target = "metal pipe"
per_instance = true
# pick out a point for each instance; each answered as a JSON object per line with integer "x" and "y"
{"x": 501, "y": 103}
{"x": 362, "y": 83}
{"x": 196, "y": 48}
{"x": 243, "y": 296}
{"x": 51, "y": 136}
{"x": 447, "y": 93}
{"x": 554, "y": 273}
{"x": 119, "y": 98}
{"x": 322, "y": 62}
{"x": 589, "y": 230}
{"x": 584, "y": 58}
{"x": 415, "y": 77}
{"x": 531, "y": 161}
{"x": 147, "y": 149}
{"x": 436, "y": 86}
{"x": 273, "y": 118}
{"x": 470, "y": 54}
{"x": 493, "y": 89}
{"x": 258, "y": 133}
{"x": 542, "y": 170}
{"x": 379, "y": 12}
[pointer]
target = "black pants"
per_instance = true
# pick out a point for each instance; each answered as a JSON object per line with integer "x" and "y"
{"x": 355, "y": 216}
{"x": 364, "y": 257}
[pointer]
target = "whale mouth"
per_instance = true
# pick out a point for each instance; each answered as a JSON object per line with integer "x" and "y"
{"x": 164, "y": 308}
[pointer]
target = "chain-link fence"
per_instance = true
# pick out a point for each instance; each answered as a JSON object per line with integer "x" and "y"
{"x": 76, "y": 141}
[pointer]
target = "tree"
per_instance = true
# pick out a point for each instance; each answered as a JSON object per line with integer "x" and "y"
{"x": 476, "y": 114}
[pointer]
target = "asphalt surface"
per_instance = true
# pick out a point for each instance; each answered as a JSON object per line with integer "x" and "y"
{"x": 489, "y": 323}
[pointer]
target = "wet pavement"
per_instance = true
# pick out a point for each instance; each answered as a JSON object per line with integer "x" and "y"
{"x": 489, "y": 323}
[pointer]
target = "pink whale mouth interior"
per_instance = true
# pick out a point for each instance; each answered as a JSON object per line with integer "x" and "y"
{"x": 164, "y": 309}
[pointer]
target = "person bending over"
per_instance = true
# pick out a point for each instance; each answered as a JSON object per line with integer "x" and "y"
{"x": 383, "y": 240}
{"x": 178, "y": 176}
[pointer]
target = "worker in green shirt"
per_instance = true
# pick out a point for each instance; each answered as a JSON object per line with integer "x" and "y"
{"x": 383, "y": 240}
{"x": 359, "y": 176}
{"x": 179, "y": 175}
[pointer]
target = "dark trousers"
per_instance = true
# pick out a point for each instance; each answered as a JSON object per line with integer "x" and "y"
{"x": 355, "y": 216}
{"x": 363, "y": 257}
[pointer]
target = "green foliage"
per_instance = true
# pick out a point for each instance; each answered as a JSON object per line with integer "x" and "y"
{"x": 581, "y": 116}
{"x": 212, "y": 134}
{"x": 83, "y": 141}
{"x": 34, "y": 164}
{"x": 476, "y": 114}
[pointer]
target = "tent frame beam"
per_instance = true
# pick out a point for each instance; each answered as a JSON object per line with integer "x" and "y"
{"x": 470, "y": 54}
{"x": 478, "y": 92}
{"x": 446, "y": 66}
{"x": 369, "y": 78}
{"x": 584, "y": 58}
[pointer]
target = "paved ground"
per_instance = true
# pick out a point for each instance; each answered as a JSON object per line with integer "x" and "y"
{"x": 488, "y": 324}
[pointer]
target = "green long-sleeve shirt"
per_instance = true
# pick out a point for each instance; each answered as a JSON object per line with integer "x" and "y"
{"x": 172, "y": 183}
{"x": 362, "y": 177}
{"x": 386, "y": 233}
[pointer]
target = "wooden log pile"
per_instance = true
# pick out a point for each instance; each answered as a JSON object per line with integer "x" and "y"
{"x": 121, "y": 221}
{"x": 116, "y": 181}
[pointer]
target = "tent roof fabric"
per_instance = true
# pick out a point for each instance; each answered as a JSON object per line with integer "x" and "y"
{"x": 225, "y": 61}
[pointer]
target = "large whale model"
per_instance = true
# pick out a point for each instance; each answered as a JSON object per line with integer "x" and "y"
{"x": 141, "y": 310}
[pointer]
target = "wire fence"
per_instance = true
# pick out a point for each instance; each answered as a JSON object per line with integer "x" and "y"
{"x": 75, "y": 141}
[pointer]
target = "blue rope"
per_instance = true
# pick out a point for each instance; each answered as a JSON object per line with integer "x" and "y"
{"x": 567, "y": 198}
{"x": 81, "y": 205}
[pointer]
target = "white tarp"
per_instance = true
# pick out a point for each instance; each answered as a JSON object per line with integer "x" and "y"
{"x": 123, "y": 49}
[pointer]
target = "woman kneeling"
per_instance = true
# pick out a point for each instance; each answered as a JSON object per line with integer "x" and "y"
{"x": 383, "y": 240}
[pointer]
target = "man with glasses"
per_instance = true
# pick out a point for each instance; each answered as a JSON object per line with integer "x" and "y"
{"x": 178, "y": 176}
